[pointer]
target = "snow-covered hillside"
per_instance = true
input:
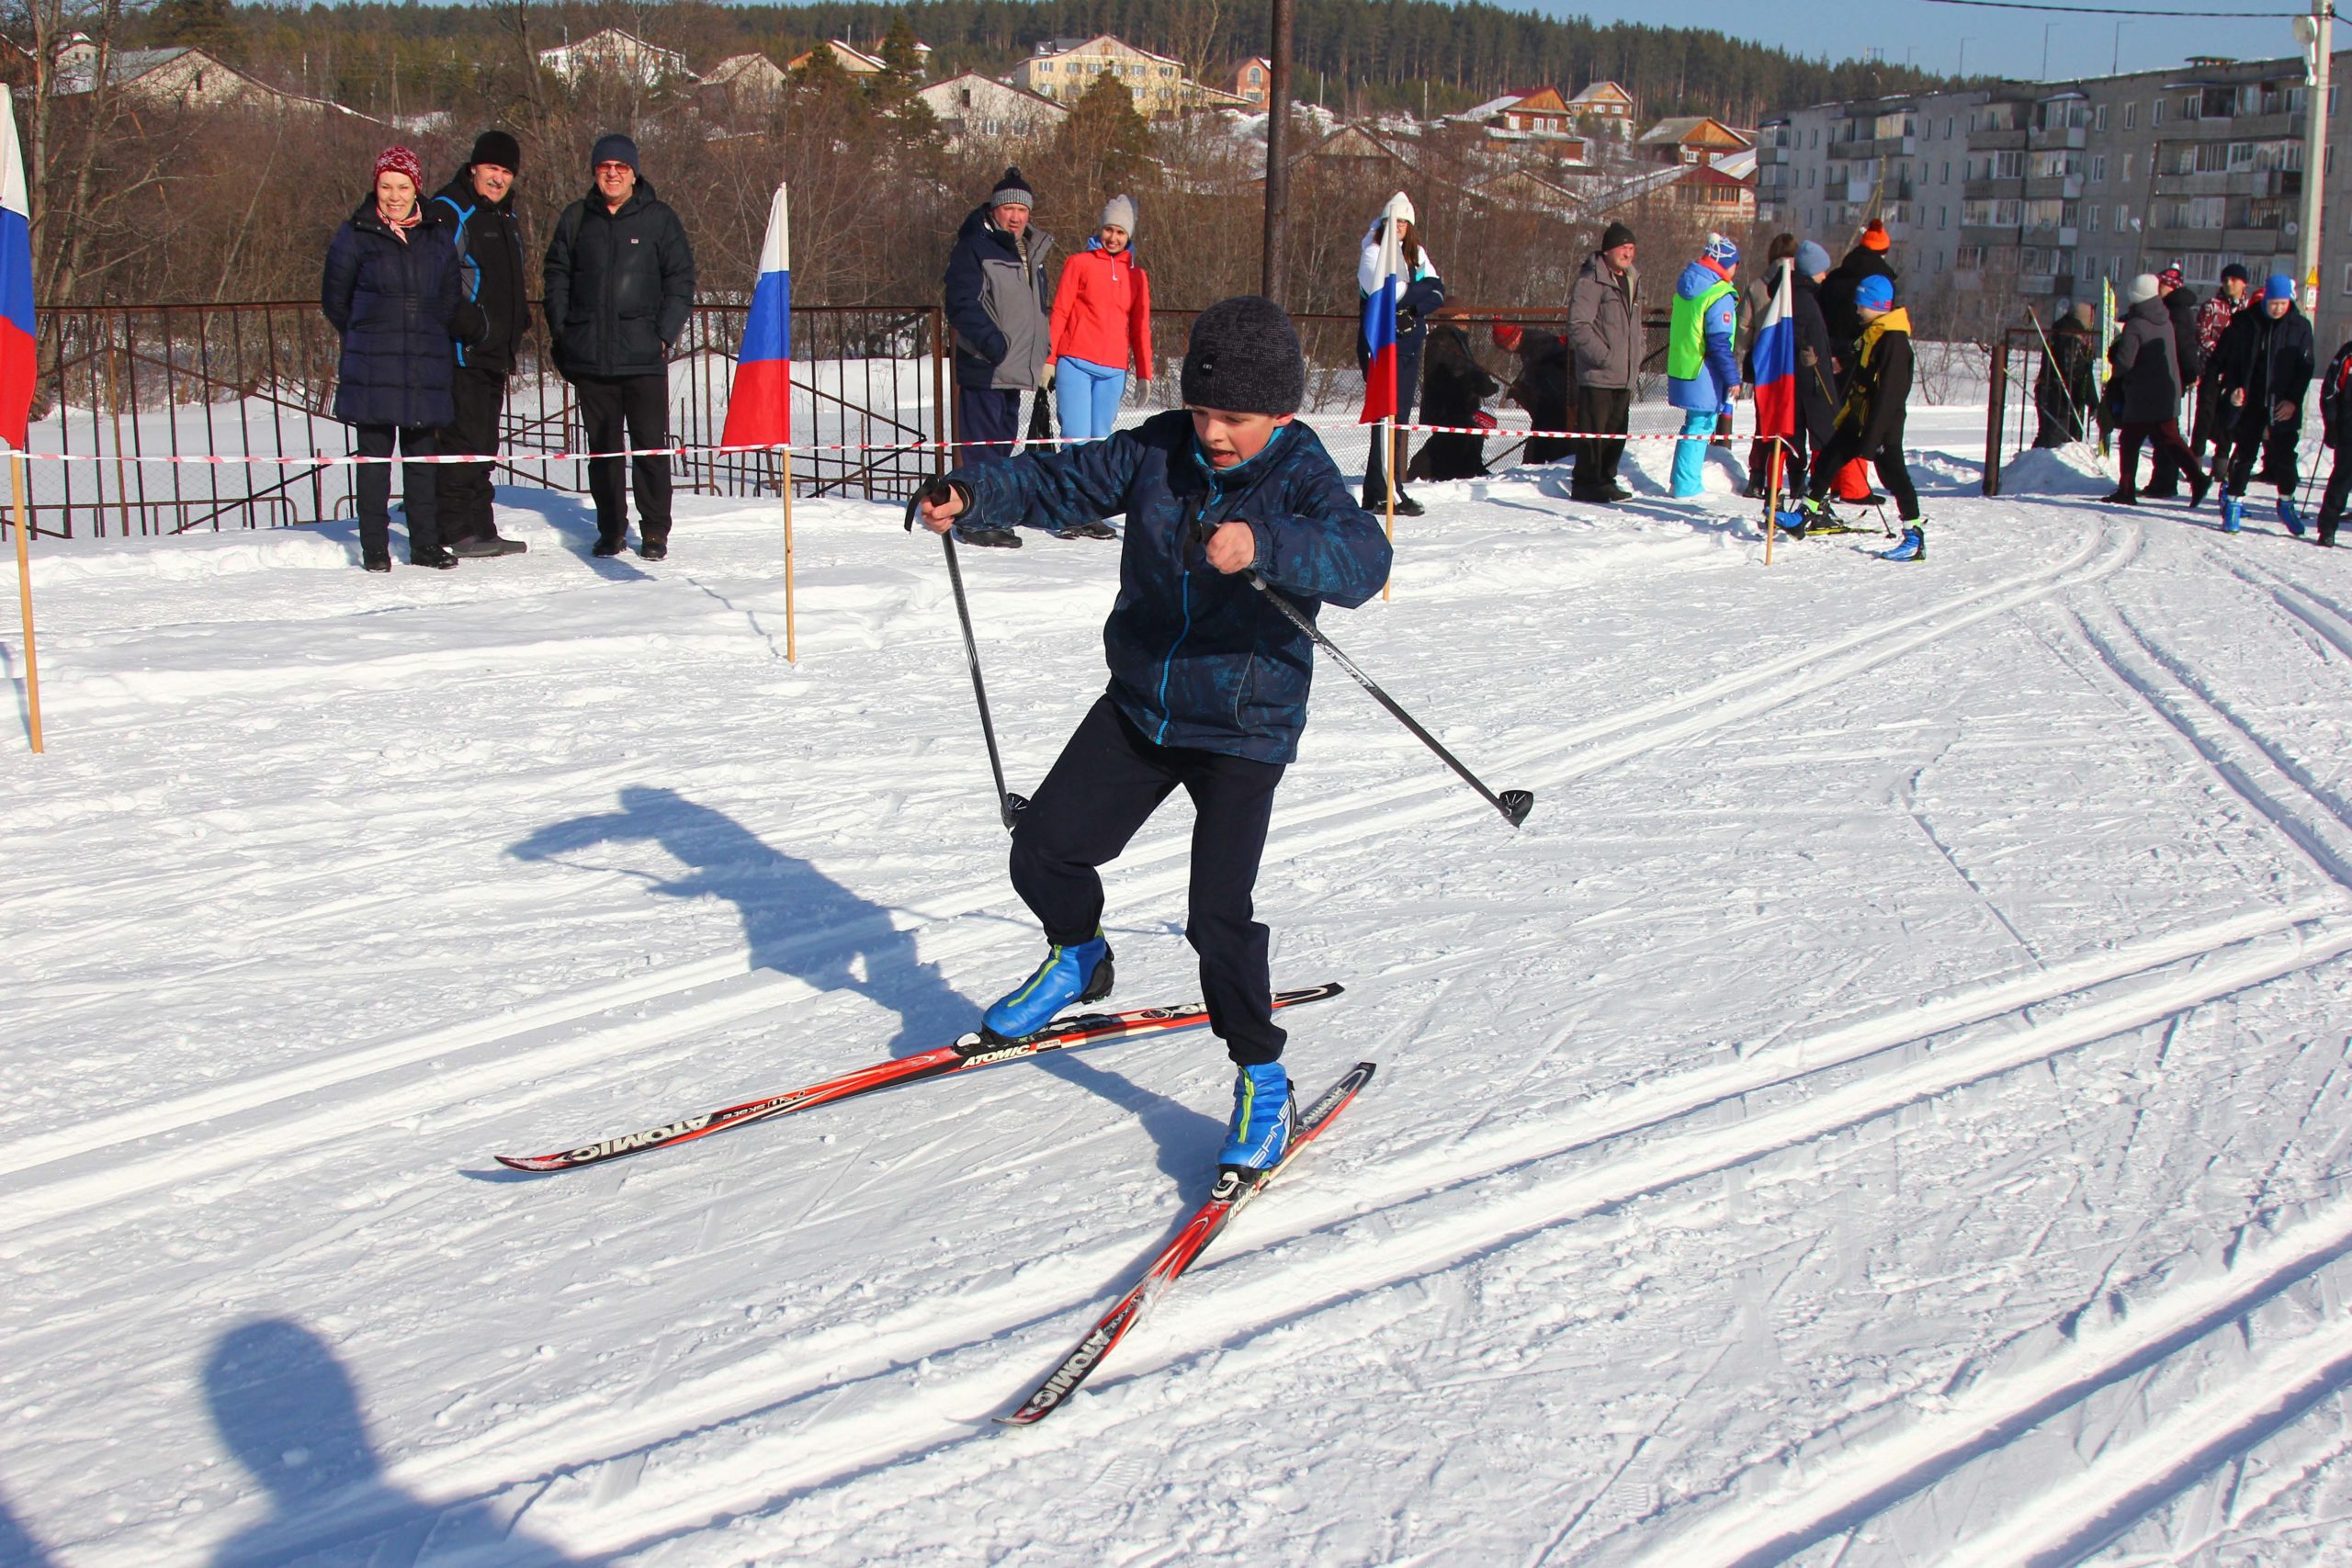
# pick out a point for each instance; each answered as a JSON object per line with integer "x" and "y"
{"x": 1889, "y": 1105}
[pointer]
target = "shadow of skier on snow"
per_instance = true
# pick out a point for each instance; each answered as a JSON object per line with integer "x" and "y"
{"x": 18, "y": 1547}
{"x": 285, "y": 1409}
{"x": 797, "y": 921}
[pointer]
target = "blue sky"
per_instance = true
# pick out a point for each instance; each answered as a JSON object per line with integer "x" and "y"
{"x": 1999, "y": 43}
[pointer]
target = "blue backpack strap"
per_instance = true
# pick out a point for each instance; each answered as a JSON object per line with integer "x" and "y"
{"x": 467, "y": 268}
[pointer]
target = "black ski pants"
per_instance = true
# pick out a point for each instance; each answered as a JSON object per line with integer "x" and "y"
{"x": 2332, "y": 499}
{"x": 371, "y": 485}
{"x": 641, "y": 404}
{"x": 1845, "y": 445}
{"x": 481, "y": 398}
{"x": 1108, "y": 781}
{"x": 1603, "y": 412}
{"x": 2275, "y": 447}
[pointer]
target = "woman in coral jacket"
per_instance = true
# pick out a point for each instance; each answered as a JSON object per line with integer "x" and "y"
{"x": 1101, "y": 321}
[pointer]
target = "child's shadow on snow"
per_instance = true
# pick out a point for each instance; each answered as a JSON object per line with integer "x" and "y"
{"x": 797, "y": 921}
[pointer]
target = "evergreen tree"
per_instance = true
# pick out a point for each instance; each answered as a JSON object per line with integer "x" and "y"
{"x": 1105, "y": 142}
{"x": 899, "y": 58}
{"x": 208, "y": 24}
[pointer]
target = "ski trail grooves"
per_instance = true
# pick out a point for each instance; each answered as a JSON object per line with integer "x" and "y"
{"x": 1331, "y": 821}
{"x": 1252, "y": 1292}
{"x": 1844, "y": 1488}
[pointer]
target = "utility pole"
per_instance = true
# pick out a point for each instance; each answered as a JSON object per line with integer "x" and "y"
{"x": 2316, "y": 33}
{"x": 1277, "y": 244}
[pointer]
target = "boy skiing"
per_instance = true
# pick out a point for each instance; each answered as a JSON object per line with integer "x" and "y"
{"x": 1870, "y": 424}
{"x": 2268, "y": 362}
{"x": 1208, "y": 683}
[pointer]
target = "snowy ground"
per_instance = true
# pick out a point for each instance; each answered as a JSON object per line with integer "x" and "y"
{"x": 1889, "y": 1106}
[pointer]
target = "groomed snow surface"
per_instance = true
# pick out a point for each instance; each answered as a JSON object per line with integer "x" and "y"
{"x": 1889, "y": 1106}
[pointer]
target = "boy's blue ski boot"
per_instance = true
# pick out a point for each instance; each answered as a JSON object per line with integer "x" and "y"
{"x": 1263, "y": 1113}
{"x": 2232, "y": 514}
{"x": 2289, "y": 516}
{"x": 1078, "y": 973}
{"x": 1913, "y": 546}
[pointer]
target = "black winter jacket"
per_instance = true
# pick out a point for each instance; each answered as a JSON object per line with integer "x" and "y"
{"x": 488, "y": 240}
{"x": 1817, "y": 382}
{"x": 396, "y": 305}
{"x": 1837, "y": 305}
{"x": 2188, "y": 354}
{"x": 2146, "y": 385}
{"x": 2336, "y": 403}
{"x": 619, "y": 286}
{"x": 1453, "y": 382}
{"x": 2270, "y": 361}
{"x": 1878, "y": 394}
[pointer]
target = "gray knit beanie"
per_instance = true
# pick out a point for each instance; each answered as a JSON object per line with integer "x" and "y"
{"x": 1013, "y": 190}
{"x": 2143, "y": 287}
{"x": 1119, "y": 212}
{"x": 1244, "y": 359}
{"x": 1813, "y": 259}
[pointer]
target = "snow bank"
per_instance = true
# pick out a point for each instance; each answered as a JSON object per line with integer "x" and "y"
{"x": 2072, "y": 471}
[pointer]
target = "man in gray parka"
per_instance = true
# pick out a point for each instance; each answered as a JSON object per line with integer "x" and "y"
{"x": 1605, "y": 337}
{"x": 1000, "y": 310}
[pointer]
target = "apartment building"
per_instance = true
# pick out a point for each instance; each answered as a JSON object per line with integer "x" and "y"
{"x": 2043, "y": 190}
{"x": 1062, "y": 69}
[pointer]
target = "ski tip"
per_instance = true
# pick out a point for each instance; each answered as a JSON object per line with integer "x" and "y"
{"x": 534, "y": 1164}
{"x": 1517, "y": 804}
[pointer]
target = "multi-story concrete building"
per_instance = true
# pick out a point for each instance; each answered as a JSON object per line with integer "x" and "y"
{"x": 1062, "y": 69}
{"x": 2038, "y": 191}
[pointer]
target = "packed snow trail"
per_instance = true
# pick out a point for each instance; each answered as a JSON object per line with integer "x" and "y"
{"x": 1887, "y": 1106}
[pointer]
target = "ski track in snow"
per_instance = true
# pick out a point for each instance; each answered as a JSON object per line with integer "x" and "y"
{"x": 1888, "y": 1107}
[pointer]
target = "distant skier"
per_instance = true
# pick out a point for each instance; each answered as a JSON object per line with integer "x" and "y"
{"x": 2268, "y": 362}
{"x": 1208, "y": 682}
{"x": 1869, "y": 425}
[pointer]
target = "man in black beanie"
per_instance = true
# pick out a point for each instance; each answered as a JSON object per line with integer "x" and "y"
{"x": 1208, "y": 681}
{"x": 489, "y": 237}
{"x": 1000, "y": 312}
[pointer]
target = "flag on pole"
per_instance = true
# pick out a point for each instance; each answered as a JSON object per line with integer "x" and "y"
{"x": 16, "y": 359}
{"x": 1379, "y": 323}
{"x": 759, "y": 406}
{"x": 1775, "y": 356}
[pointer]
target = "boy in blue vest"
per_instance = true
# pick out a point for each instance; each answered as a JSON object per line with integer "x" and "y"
{"x": 1208, "y": 682}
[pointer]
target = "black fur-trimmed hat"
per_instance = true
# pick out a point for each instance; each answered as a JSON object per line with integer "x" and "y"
{"x": 1244, "y": 359}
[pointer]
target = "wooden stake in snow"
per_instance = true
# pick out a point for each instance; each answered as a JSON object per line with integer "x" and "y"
{"x": 25, "y": 598}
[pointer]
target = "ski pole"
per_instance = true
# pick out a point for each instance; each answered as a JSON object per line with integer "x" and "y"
{"x": 1514, "y": 804}
{"x": 1009, "y": 805}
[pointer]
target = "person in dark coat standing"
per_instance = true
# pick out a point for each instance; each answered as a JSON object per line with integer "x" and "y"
{"x": 620, "y": 289}
{"x": 1543, "y": 387}
{"x": 2065, "y": 392}
{"x": 2180, "y": 304}
{"x": 2144, "y": 391}
{"x": 1816, "y": 394}
{"x": 1000, "y": 310}
{"x": 1605, "y": 343}
{"x": 1452, "y": 386}
{"x": 391, "y": 291}
{"x": 1867, "y": 259}
{"x": 2213, "y": 319}
{"x": 478, "y": 204}
{"x": 1419, "y": 291}
{"x": 2268, "y": 362}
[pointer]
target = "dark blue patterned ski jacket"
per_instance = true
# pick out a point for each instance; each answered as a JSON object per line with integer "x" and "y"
{"x": 1198, "y": 658}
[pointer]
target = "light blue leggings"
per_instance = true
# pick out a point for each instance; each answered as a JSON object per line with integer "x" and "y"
{"x": 1690, "y": 456}
{"x": 1087, "y": 396}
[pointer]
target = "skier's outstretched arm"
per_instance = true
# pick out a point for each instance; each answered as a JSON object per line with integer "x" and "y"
{"x": 1052, "y": 489}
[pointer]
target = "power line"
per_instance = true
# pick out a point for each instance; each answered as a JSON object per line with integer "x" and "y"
{"x": 2108, "y": 10}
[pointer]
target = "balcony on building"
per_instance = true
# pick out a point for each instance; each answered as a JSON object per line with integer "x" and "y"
{"x": 1989, "y": 189}
{"x": 2063, "y": 187}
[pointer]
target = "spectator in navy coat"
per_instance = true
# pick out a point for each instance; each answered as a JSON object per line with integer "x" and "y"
{"x": 392, "y": 290}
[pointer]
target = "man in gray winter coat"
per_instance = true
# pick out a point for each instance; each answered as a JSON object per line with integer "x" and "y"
{"x": 1001, "y": 315}
{"x": 1605, "y": 336}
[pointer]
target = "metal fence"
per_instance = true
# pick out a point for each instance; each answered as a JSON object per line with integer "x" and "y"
{"x": 874, "y": 394}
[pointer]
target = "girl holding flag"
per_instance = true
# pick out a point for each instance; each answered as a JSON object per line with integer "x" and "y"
{"x": 1401, "y": 290}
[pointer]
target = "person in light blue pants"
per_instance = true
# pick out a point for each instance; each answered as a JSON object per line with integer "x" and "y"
{"x": 1701, "y": 372}
{"x": 1086, "y": 395}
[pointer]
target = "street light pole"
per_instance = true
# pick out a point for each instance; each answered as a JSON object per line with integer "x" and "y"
{"x": 1277, "y": 244}
{"x": 2316, "y": 33}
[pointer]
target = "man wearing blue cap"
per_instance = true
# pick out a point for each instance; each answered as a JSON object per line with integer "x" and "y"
{"x": 1869, "y": 425}
{"x": 2268, "y": 362}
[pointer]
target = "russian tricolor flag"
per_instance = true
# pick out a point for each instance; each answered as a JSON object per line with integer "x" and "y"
{"x": 1380, "y": 324}
{"x": 759, "y": 406}
{"x": 17, "y": 357}
{"x": 1775, "y": 356}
